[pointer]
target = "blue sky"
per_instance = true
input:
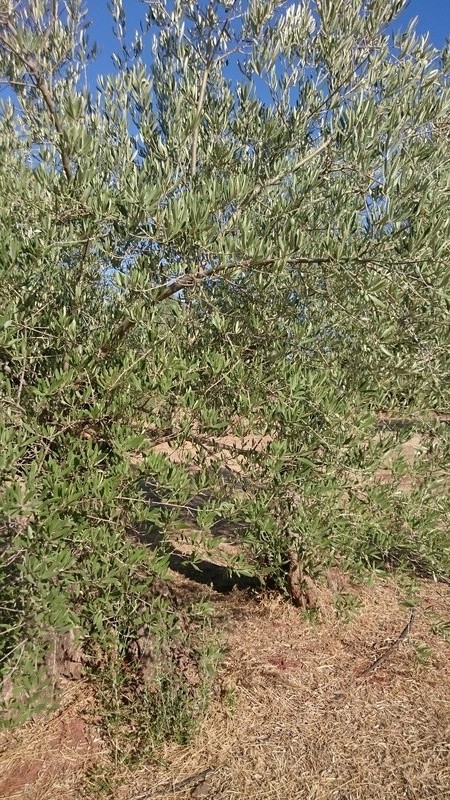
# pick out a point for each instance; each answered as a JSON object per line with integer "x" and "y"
{"x": 434, "y": 16}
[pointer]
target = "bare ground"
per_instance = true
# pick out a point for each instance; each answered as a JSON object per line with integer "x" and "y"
{"x": 293, "y": 720}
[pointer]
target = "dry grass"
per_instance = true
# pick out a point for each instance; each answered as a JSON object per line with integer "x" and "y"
{"x": 46, "y": 758}
{"x": 303, "y": 727}
{"x": 293, "y": 722}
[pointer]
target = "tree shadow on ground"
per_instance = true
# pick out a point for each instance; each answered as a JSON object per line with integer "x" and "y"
{"x": 208, "y": 573}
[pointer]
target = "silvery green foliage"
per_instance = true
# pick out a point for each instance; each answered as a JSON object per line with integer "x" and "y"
{"x": 214, "y": 175}
{"x": 185, "y": 253}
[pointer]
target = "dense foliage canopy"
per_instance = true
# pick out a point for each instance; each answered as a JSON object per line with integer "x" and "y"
{"x": 242, "y": 229}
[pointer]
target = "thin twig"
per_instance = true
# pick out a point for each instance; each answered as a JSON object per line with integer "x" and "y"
{"x": 198, "y": 113}
{"x": 192, "y": 781}
{"x": 381, "y": 659}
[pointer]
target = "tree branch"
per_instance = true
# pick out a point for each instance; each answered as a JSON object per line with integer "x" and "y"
{"x": 188, "y": 280}
{"x": 201, "y": 100}
{"x": 43, "y": 87}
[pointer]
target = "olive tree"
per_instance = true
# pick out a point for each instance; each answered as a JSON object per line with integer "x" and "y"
{"x": 241, "y": 229}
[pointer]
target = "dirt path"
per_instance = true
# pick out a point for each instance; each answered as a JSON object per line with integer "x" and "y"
{"x": 293, "y": 721}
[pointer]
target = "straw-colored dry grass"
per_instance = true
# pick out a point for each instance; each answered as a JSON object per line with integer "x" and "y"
{"x": 47, "y": 758}
{"x": 293, "y": 721}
